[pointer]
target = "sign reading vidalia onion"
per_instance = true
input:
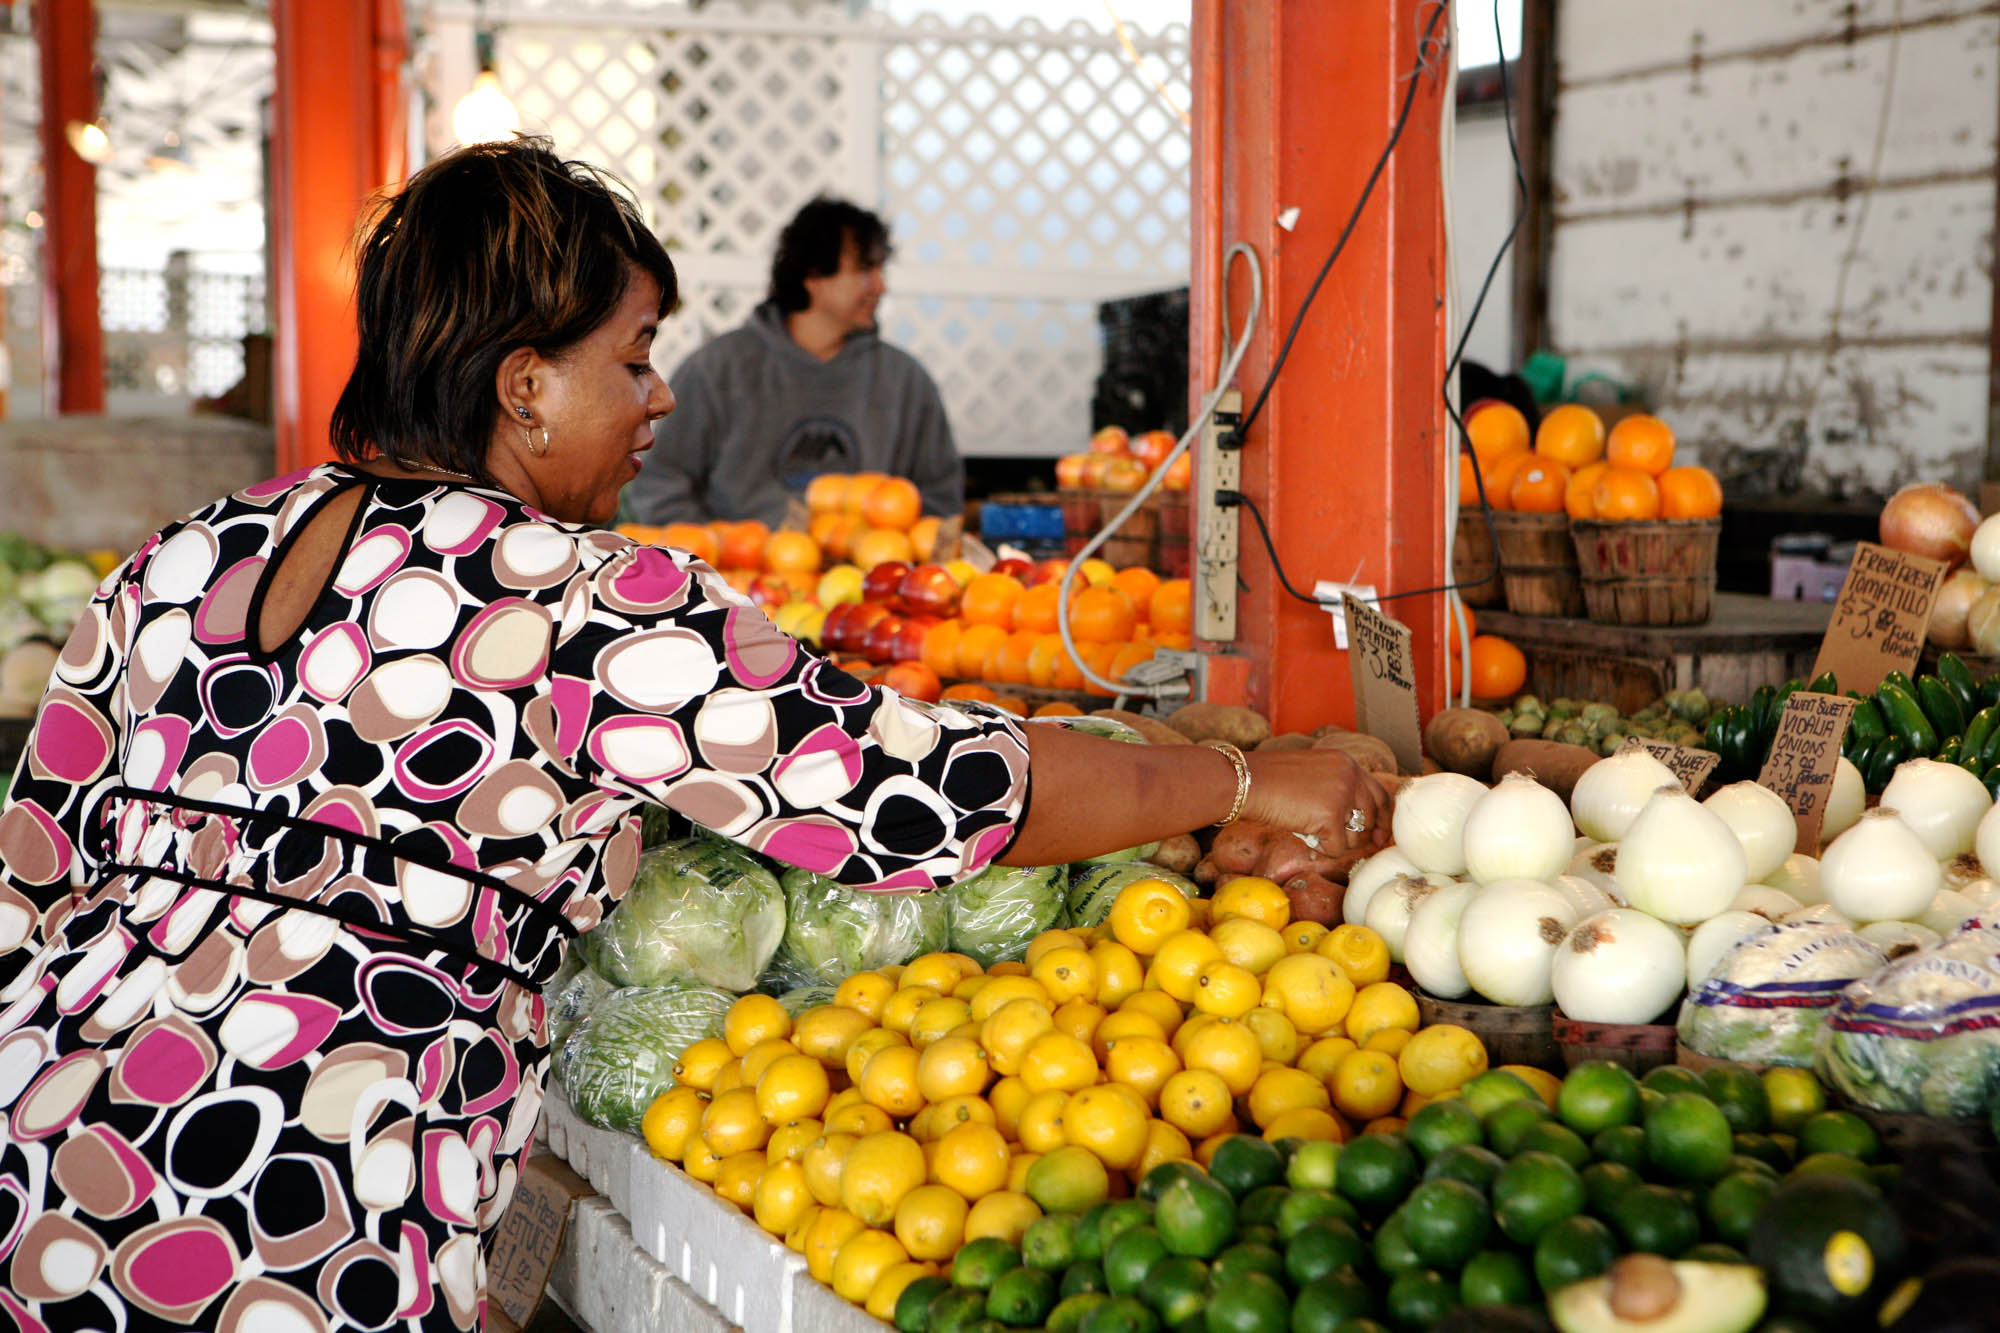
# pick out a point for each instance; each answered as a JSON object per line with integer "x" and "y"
{"x": 1804, "y": 755}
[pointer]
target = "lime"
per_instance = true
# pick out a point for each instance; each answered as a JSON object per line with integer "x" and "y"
{"x": 1655, "y": 1219}
{"x": 1839, "y": 1131}
{"x": 1419, "y": 1299}
{"x": 1831, "y": 1248}
{"x": 1088, "y": 1242}
{"x": 1119, "y": 1218}
{"x": 1597, "y": 1095}
{"x": 1687, "y": 1138}
{"x": 1250, "y": 1302}
{"x": 1795, "y": 1097}
{"x": 1127, "y": 1259}
{"x": 1765, "y": 1148}
{"x": 1668, "y": 1080}
{"x": 955, "y": 1307}
{"x": 1069, "y": 1313}
{"x": 1442, "y": 1125}
{"x": 1302, "y": 1207}
{"x": 1323, "y": 1303}
{"x": 1572, "y": 1250}
{"x": 1833, "y": 1164}
{"x": 1050, "y": 1242}
{"x": 1446, "y": 1222}
{"x": 1326, "y": 1246}
{"x": 1485, "y": 1092}
{"x": 1177, "y": 1288}
{"x": 1068, "y": 1180}
{"x": 1313, "y": 1165}
{"x": 1558, "y": 1140}
{"x": 1623, "y": 1144}
{"x": 1740, "y": 1095}
{"x": 1469, "y": 1162}
{"x": 1605, "y": 1181}
{"x": 1163, "y": 1175}
{"x": 1715, "y": 1252}
{"x": 1260, "y": 1206}
{"x": 1085, "y": 1275}
{"x": 1120, "y": 1314}
{"x": 981, "y": 1262}
{"x": 1194, "y": 1215}
{"x": 1257, "y": 1233}
{"x": 1392, "y": 1247}
{"x": 1739, "y": 1163}
{"x": 1376, "y": 1171}
{"x": 913, "y": 1307}
{"x": 1243, "y": 1258}
{"x": 1360, "y": 1325}
{"x": 1022, "y": 1297}
{"x": 1244, "y": 1162}
{"x": 1733, "y": 1201}
{"x": 1788, "y": 1144}
{"x": 1507, "y": 1125}
{"x": 1496, "y": 1277}
{"x": 1885, "y": 1176}
{"x": 1534, "y": 1192}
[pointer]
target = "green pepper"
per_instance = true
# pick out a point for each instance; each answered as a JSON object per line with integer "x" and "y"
{"x": 1864, "y": 755}
{"x": 1883, "y": 763}
{"x": 1973, "y": 764}
{"x": 1941, "y": 706}
{"x": 1760, "y": 706}
{"x": 1980, "y": 730}
{"x": 1906, "y": 720}
{"x": 1824, "y": 683}
{"x": 1948, "y": 752}
{"x": 1989, "y": 690}
{"x": 1867, "y": 721}
{"x": 1951, "y": 668}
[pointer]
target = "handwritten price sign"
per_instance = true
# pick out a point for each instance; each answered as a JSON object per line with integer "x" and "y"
{"x": 1384, "y": 673}
{"x": 1803, "y": 756}
{"x": 1879, "y": 622}
{"x": 1690, "y": 765}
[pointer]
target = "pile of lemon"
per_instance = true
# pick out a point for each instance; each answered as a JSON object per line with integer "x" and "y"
{"x": 935, "y": 1103}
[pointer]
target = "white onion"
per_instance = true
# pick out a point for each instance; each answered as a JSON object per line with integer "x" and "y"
{"x": 1369, "y": 876}
{"x": 1600, "y": 868}
{"x": 1507, "y": 937}
{"x": 1765, "y": 901}
{"x": 1879, "y": 870}
{"x": 1941, "y": 803}
{"x": 1762, "y": 822}
{"x": 1518, "y": 830}
{"x": 1897, "y": 938}
{"x": 1844, "y": 806}
{"x": 1798, "y": 877}
{"x": 1584, "y": 896}
{"x": 1982, "y": 623}
{"x": 1948, "y": 911}
{"x": 1824, "y": 914}
{"x": 1430, "y": 945}
{"x": 1714, "y": 938}
{"x": 1986, "y": 548}
{"x": 1619, "y": 966}
{"x": 1389, "y": 911}
{"x": 1679, "y": 861}
{"x": 1950, "y": 612}
{"x": 1986, "y": 840}
{"x": 1584, "y": 844}
{"x": 1930, "y": 519}
{"x": 1612, "y": 791}
{"x": 1963, "y": 870}
{"x": 1429, "y": 826}
{"x": 1982, "y": 894}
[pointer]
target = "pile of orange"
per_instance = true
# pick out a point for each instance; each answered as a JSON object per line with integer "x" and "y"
{"x": 1575, "y": 467}
{"x": 864, "y": 518}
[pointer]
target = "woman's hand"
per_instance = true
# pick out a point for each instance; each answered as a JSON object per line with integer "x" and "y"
{"x": 1322, "y": 793}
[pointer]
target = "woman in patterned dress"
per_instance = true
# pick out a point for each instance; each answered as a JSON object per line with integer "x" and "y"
{"x": 334, "y": 770}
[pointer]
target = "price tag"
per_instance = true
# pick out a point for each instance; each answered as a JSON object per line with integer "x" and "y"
{"x": 528, "y": 1236}
{"x": 1691, "y": 765}
{"x": 1385, "y": 682}
{"x": 1879, "y": 622}
{"x": 1802, "y": 759}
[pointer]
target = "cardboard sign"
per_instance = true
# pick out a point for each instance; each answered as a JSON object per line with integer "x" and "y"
{"x": 1384, "y": 673}
{"x": 1802, "y": 759}
{"x": 1880, "y": 620}
{"x": 1692, "y": 766}
{"x": 529, "y": 1234}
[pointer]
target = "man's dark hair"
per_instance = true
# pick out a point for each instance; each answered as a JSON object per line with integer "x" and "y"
{"x": 811, "y": 243}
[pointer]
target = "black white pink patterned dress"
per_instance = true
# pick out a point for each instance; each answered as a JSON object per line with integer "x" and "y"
{"x": 272, "y": 926}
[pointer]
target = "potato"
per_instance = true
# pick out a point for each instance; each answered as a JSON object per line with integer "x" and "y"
{"x": 1239, "y": 848}
{"x": 1367, "y": 751}
{"x": 1241, "y": 727}
{"x": 1555, "y": 765}
{"x": 1330, "y": 729}
{"x": 1155, "y": 731}
{"x": 1178, "y": 853}
{"x": 1465, "y": 740}
{"x": 1291, "y": 740}
{"x": 1315, "y": 898}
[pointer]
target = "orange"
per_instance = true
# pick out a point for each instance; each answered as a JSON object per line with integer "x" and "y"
{"x": 1495, "y": 431}
{"x": 1500, "y": 479}
{"x": 924, "y": 536}
{"x": 1057, "y": 710}
{"x": 1571, "y": 434}
{"x": 878, "y": 545}
{"x": 1539, "y": 487}
{"x": 1101, "y": 615}
{"x": 1468, "y": 481}
{"x": 940, "y": 650}
{"x": 1068, "y": 675}
{"x": 1579, "y": 496}
{"x": 970, "y": 690}
{"x": 1043, "y": 661}
{"x": 825, "y": 492}
{"x": 1624, "y": 492}
{"x": 1097, "y": 656}
{"x": 1012, "y": 703}
{"x": 1170, "y": 609}
{"x": 1690, "y": 492}
{"x": 1499, "y": 669}
{"x": 742, "y": 544}
{"x": 859, "y": 485}
{"x": 989, "y": 600}
{"x": 975, "y": 644}
{"x": 1641, "y": 442}
{"x": 1128, "y": 657}
{"x": 1138, "y": 584}
{"x": 693, "y": 538}
{"x": 895, "y": 503}
{"x": 1008, "y": 662}
{"x": 834, "y": 532}
{"x": 1035, "y": 609}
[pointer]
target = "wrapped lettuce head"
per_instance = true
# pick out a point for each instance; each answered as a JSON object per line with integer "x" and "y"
{"x": 1764, "y": 1002}
{"x": 832, "y": 931}
{"x": 699, "y": 911}
{"x": 802, "y": 998}
{"x": 996, "y": 912}
{"x": 1923, "y": 1034}
{"x": 622, "y": 1054}
{"x": 1092, "y": 889}
{"x": 571, "y": 993}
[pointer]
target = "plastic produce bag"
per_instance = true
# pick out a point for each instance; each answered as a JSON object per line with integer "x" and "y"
{"x": 1923, "y": 1034}
{"x": 1093, "y": 888}
{"x": 832, "y": 931}
{"x": 571, "y": 993}
{"x": 802, "y": 998}
{"x": 622, "y": 1054}
{"x": 1764, "y": 1002}
{"x": 699, "y": 910}
{"x": 996, "y": 912}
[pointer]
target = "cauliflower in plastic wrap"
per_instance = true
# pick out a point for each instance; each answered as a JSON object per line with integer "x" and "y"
{"x": 623, "y": 1052}
{"x": 1923, "y": 1034}
{"x": 832, "y": 931}
{"x": 699, "y": 910}
{"x": 1764, "y": 1002}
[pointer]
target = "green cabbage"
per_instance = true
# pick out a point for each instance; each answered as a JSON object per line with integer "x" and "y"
{"x": 1093, "y": 888}
{"x": 58, "y": 595}
{"x": 1919, "y": 1036}
{"x": 699, "y": 910}
{"x": 1766, "y": 998}
{"x": 832, "y": 932}
{"x": 996, "y": 912}
{"x": 623, "y": 1052}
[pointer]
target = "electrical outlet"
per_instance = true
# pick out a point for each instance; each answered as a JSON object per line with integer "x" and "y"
{"x": 1216, "y": 551}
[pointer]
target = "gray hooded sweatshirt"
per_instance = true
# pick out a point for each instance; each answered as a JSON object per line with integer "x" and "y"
{"x": 757, "y": 417}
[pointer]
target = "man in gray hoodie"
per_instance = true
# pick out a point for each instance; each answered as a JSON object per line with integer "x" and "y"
{"x": 806, "y": 386}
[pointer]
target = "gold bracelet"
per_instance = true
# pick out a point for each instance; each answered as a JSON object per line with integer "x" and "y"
{"x": 1242, "y": 767}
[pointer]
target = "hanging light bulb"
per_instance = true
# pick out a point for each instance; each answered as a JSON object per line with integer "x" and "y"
{"x": 484, "y": 114}
{"x": 89, "y": 141}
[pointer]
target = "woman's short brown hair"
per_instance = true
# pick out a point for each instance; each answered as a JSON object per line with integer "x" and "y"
{"x": 490, "y": 248}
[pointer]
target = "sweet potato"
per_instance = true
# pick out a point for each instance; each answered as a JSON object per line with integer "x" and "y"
{"x": 1367, "y": 751}
{"x": 1155, "y": 731}
{"x": 1220, "y": 722}
{"x": 1330, "y": 729}
{"x": 1553, "y": 764}
{"x": 1465, "y": 740}
{"x": 1315, "y": 898}
{"x": 1291, "y": 740}
{"x": 1239, "y": 848}
{"x": 1178, "y": 853}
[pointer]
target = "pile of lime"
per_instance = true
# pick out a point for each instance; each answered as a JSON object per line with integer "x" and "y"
{"x": 1493, "y": 1198}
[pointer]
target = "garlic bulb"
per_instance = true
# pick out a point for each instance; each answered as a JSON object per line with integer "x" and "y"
{"x": 1518, "y": 830}
{"x": 1429, "y": 824}
{"x": 1679, "y": 861}
{"x": 1612, "y": 791}
{"x": 1762, "y": 822}
{"x": 1880, "y": 870}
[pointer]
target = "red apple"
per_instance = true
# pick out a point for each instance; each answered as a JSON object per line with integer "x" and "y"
{"x": 859, "y": 622}
{"x": 914, "y": 680}
{"x": 1110, "y": 440}
{"x": 1180, "y": 474}
{"x": 882, "y": 581}
{"x": 1069, "y": 471}
{"x": 1051, "y": 571}
{"x": 929, "y": 590}
{"x": 909, "y": 645}
{"x": 1123, "y": 474}
{"x": 770, "y": 591}
{"x": 1013, "y": 565}
{"x": 1153, "y": 446}
{"x": 880, "y": 643}
{"x": 833, "y": 633}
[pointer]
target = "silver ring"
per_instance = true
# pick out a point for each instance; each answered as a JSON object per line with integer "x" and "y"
{"x": 1356, "y": 821}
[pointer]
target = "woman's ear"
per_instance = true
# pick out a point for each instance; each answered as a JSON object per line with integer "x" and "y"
{"x": 516, "y": 383}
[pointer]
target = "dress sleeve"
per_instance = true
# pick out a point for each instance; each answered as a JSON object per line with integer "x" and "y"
{"x": 677, "y": 689}
{"x": 73, "y": 753}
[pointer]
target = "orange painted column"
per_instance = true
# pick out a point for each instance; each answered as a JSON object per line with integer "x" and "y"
{"x": 1294, "y": 100}
{"x": 72, "y": 331}
{"x": 336, "y": 138}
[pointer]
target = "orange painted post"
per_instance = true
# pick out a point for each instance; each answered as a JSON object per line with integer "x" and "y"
{"x": 1294, "y": 100}
{"x": 72, "y": 331}
{"x": 336, "y": 138}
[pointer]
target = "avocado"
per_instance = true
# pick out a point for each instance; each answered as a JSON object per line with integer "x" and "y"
{"x": 1831, "y": 1245}
{"x": 1643, "y": 1293}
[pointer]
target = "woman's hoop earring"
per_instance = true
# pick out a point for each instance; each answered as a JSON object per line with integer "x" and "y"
{"x": 529, "y": 431}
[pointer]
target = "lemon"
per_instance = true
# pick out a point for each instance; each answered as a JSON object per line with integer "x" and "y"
{"x": 737, "y": 1176}
{"x": 1361, "y": 953}
{"x": 1310, "y": 990}
{"x": 1047, "y": 940}
{"x": 1187, "y": 1031}
{"x": 1276, "y": 1035}
{"x": 1071, "y": 1178}
{"x": 1251, "y": 945}
{"x": 1306, "y": 1122}
{"x": 1142, "y": 1063}
{"x": 823, "y": 1163}
{"x": 1389, "y": 1041}
{"x": 1145, "y": 913}
{"x": 888, "y": 1288}
{"x": 955, "y": 1111}
{"x": 826, "y": 1031}
{"x": 1011, "y": 1029}
{"x": 1383, "y": 1004}
{"x": 792, "y": 1087}
{"x": 1229, "y": 1050}
{"x": 999, "y": 991}
{"x": 971, "y": 1158}
{"x": 1122, "y": 1024}
{"x": 1058, "y": 1060}
{"x": 1164, "y": 1143}
{"x": 1008, "y": 967}
{"x": 754, "y": 1018}
{"x": 1067, "y": 974}
{"x": 1440, "y": 1057}
{"x": 1041, "y": 1127}
{"x": 1177, "y": 962}
{"x": 701, "y": 1062}
{"x": 1157, "y": 1005}
{"x": 858, "y": 1118}
{"x": 861, "y": 1049}
{"x": 732, "y": 1124}
{"x": 1196, "y": 1102}
{"x": 939, "y": 971}
{"x": 1278, "y": 1090}
{"x": 863, "y": 1259}
{"x": 759, "y": 1058}
{"x": 728, "y": 1077}
{"x": 864, "y": 992}
{"x": 935, "y": 1018}
{"x": 1018, "y": 1167}
{"x": 1322, "y": 1057}
{"x": 889, "y": 1081}
{"x": 1007, "y": 1096}
{"x": 1119, "y": 972}
{"x": 1110, "y": 1122}
{"x": 671, "y": 1120}
{"x": 700, "y": 1161}
{"x": 1226, "y": 990}
{"x": 880, "y": 1170}
{"x": 1254, "y": 897}
{"x": 900, "y": 1010}
{"x": 930, "y": 1221}
{"x": 1006, "y": 1214}
{"x": 790, "y": 1140}
{"x": 795, "y": 1239}
{"x": 1303, "y": 936}
{"x": 1367, "y": 1085}
{"x": 782, "y": 1198}
{"x": 1546, "y": 1085}
{"x": 969, "y": 988}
